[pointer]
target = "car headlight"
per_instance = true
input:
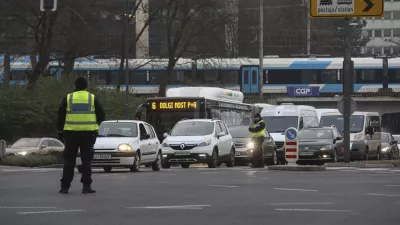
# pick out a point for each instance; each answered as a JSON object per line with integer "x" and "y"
{"x": 250, "y": 145}
{"x": 205, "y": 142}
{"x": 165, "y": 144}
{"x": 124, "y": 147}
{"x": 325, "y": 148}
{"x": 22, "y": 153}
{"x": 385, "y": 149}
{"x": 250, "y": 151}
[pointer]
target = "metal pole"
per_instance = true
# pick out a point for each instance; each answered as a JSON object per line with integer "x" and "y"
{"x": 126, "y": 61}
{"x": 347, "y": 91}
{"x": 308, "y": 29}
{"x": 261, "y": 53}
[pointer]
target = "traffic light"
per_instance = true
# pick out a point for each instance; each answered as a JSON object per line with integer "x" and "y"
{"x": 48, "y": 5}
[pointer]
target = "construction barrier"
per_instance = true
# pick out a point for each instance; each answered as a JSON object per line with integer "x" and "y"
{"x": 291, "y": 146}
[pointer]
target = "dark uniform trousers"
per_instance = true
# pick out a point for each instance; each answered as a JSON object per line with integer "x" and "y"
{"x": 74, "y": 140}
{"x": 258, "y": 154}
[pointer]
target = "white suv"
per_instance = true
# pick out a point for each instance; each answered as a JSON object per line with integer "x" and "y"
{"x": 198, "y": 141}
{"x": 126, "y": 144}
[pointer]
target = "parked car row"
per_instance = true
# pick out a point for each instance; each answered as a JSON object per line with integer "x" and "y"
{"x": 27, "y": 146}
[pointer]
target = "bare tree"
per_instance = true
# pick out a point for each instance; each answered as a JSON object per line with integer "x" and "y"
{"x": 187, "y": 22}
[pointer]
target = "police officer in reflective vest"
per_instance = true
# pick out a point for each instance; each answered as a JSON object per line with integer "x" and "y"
{"x": 257, "y": 132}
{"x": 79, "y": 116}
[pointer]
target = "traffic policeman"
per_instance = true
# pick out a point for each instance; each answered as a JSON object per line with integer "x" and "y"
{"x": 79, "y": 117}
{"x": 257, "y": 132}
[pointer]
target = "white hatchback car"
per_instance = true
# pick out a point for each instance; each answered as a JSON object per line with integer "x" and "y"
{"x": 198, "y": 141}
{"x": 127, "y": 144}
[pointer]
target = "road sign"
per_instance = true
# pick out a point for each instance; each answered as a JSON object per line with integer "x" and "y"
{"x": 291, "y": 146}
{"x": 346, "y": 8}
{"x": 353, "y": 105}
{"x": 291, "y": 134}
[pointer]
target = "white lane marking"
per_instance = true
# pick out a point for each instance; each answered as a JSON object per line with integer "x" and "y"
{"x": 172, "y": 207}
{"x": 251, "y": 173}
{"x": 210, "y": 172}
{"x": 27, "y": 207}
{"x": 393, "y": 185}
{"x": 288, "y": 189}
{"x": 302, "y": 203}
{"x": 220, "y": 185}
{"x": 386, "y": 172}
{"x": 55, "y": 211}
{"x": 387, "y": 195}
{"x": 314, "y": 210}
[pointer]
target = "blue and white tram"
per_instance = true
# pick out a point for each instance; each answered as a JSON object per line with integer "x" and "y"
{"x": 237, "y": 74}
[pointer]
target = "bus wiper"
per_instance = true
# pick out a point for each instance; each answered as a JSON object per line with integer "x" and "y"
{"x": 115, "y": 135}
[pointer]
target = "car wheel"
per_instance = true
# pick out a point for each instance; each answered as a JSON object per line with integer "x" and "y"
{"x": 274, "y": 158}
{"x": 214, "y": 160}
{"x": 334, "y": 158}
{"x": 136, "y": 164}
{"x": 107, "y": 169}
{"x": 156, "y": 165}
{"x": 231, "y": 162}
{"x": 79, "y": 169}
{"x": 185, "y": 165}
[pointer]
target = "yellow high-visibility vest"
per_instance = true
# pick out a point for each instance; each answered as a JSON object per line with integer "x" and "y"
{"x": 81, "y": 114}
{"x": 259, "y": 133}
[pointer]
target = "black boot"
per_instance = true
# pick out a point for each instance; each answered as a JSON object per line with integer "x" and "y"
{"x": 87, "y": 189}
{"x": 63, "y": 190}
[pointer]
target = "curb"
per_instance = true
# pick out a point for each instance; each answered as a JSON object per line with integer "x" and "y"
{"x": 297, "y": 168}
{"x": 51, "y": 166}
{"x": 363, "y": 165}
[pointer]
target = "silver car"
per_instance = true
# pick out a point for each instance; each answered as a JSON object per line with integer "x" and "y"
{"x": 244, "y": 147}
{"x": 26, "y": 146}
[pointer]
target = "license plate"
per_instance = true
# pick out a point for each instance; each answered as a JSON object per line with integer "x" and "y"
{"x": 102, "y": 157}
{"x": 237, "y": 153}
{"x": 182, "y": 153}
{"x": 306, "y": 153}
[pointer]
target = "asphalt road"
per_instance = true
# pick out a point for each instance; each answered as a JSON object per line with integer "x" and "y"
{"x": 204, "y": 196}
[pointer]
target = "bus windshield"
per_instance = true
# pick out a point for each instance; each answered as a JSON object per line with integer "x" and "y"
{"x": 356, "y": 122}
{"x": 279, "y": 124}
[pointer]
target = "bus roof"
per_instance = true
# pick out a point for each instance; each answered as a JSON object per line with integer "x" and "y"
{"x": 206, "y": 92}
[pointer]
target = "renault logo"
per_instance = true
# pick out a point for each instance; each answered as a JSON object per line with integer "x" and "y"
{"x": 182, "y": 146}
{"x": 306, "y": 148}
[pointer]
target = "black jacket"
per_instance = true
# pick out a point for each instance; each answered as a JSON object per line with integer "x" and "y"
{"x": 62, "y": 112}
{"x": 260, "y": 126}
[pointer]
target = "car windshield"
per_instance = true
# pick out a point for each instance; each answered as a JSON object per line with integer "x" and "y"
{"x": 397, "y": 138}
{"x": 26, "y": 142}
{"x": 240, "y": 132}
{"x": 118, "y": 129}
{"x": 193, "y": 128}
{"x": 314, "y": 135}
{"x": 356, "y": 122}
{"x": 279, "y": 124}
{"x": 383, "y": 137}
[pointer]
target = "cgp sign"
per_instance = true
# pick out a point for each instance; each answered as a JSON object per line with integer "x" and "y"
{"x": 302, "y": 91}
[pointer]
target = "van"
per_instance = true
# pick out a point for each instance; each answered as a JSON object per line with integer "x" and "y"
{"x": 362, "y": 145}
{"x": 321, "y": 111}
{"x": 279, "y": 118}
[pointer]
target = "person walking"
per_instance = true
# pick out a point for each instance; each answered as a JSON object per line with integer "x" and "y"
{"x": 79, "y": 116}
{"x": 257, "y": 133}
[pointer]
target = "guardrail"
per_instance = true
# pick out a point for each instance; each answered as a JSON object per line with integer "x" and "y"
{"x": 2, "y": 148}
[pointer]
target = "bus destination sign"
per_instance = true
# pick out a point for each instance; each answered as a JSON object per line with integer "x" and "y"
{"x": 174, "y": 105}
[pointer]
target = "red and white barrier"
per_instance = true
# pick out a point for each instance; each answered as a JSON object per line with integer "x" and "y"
{"x": 291, "y": 146}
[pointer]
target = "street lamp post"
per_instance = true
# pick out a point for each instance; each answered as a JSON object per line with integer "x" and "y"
{"x": 261, "y": 52}
{"x": 126, "y": 60}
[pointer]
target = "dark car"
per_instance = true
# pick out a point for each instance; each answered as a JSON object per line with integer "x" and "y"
{"x": 244, "y": 146}
{"x": 389, "y": 150}
{"x": 320, "y": 145}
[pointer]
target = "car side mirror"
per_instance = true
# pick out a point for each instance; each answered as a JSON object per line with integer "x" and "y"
{"x": 43, "y": 146}
{"x": 394, "y": 142}
{"x": 145, "y": 136}
{"x": 369, "y": 130}
{"x": 338, "y": 138}
{"x": 165, "y": 135}
{"x": 220, "y": 134}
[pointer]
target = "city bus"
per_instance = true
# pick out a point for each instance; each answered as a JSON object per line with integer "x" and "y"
{"x": 195, "y": 103}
